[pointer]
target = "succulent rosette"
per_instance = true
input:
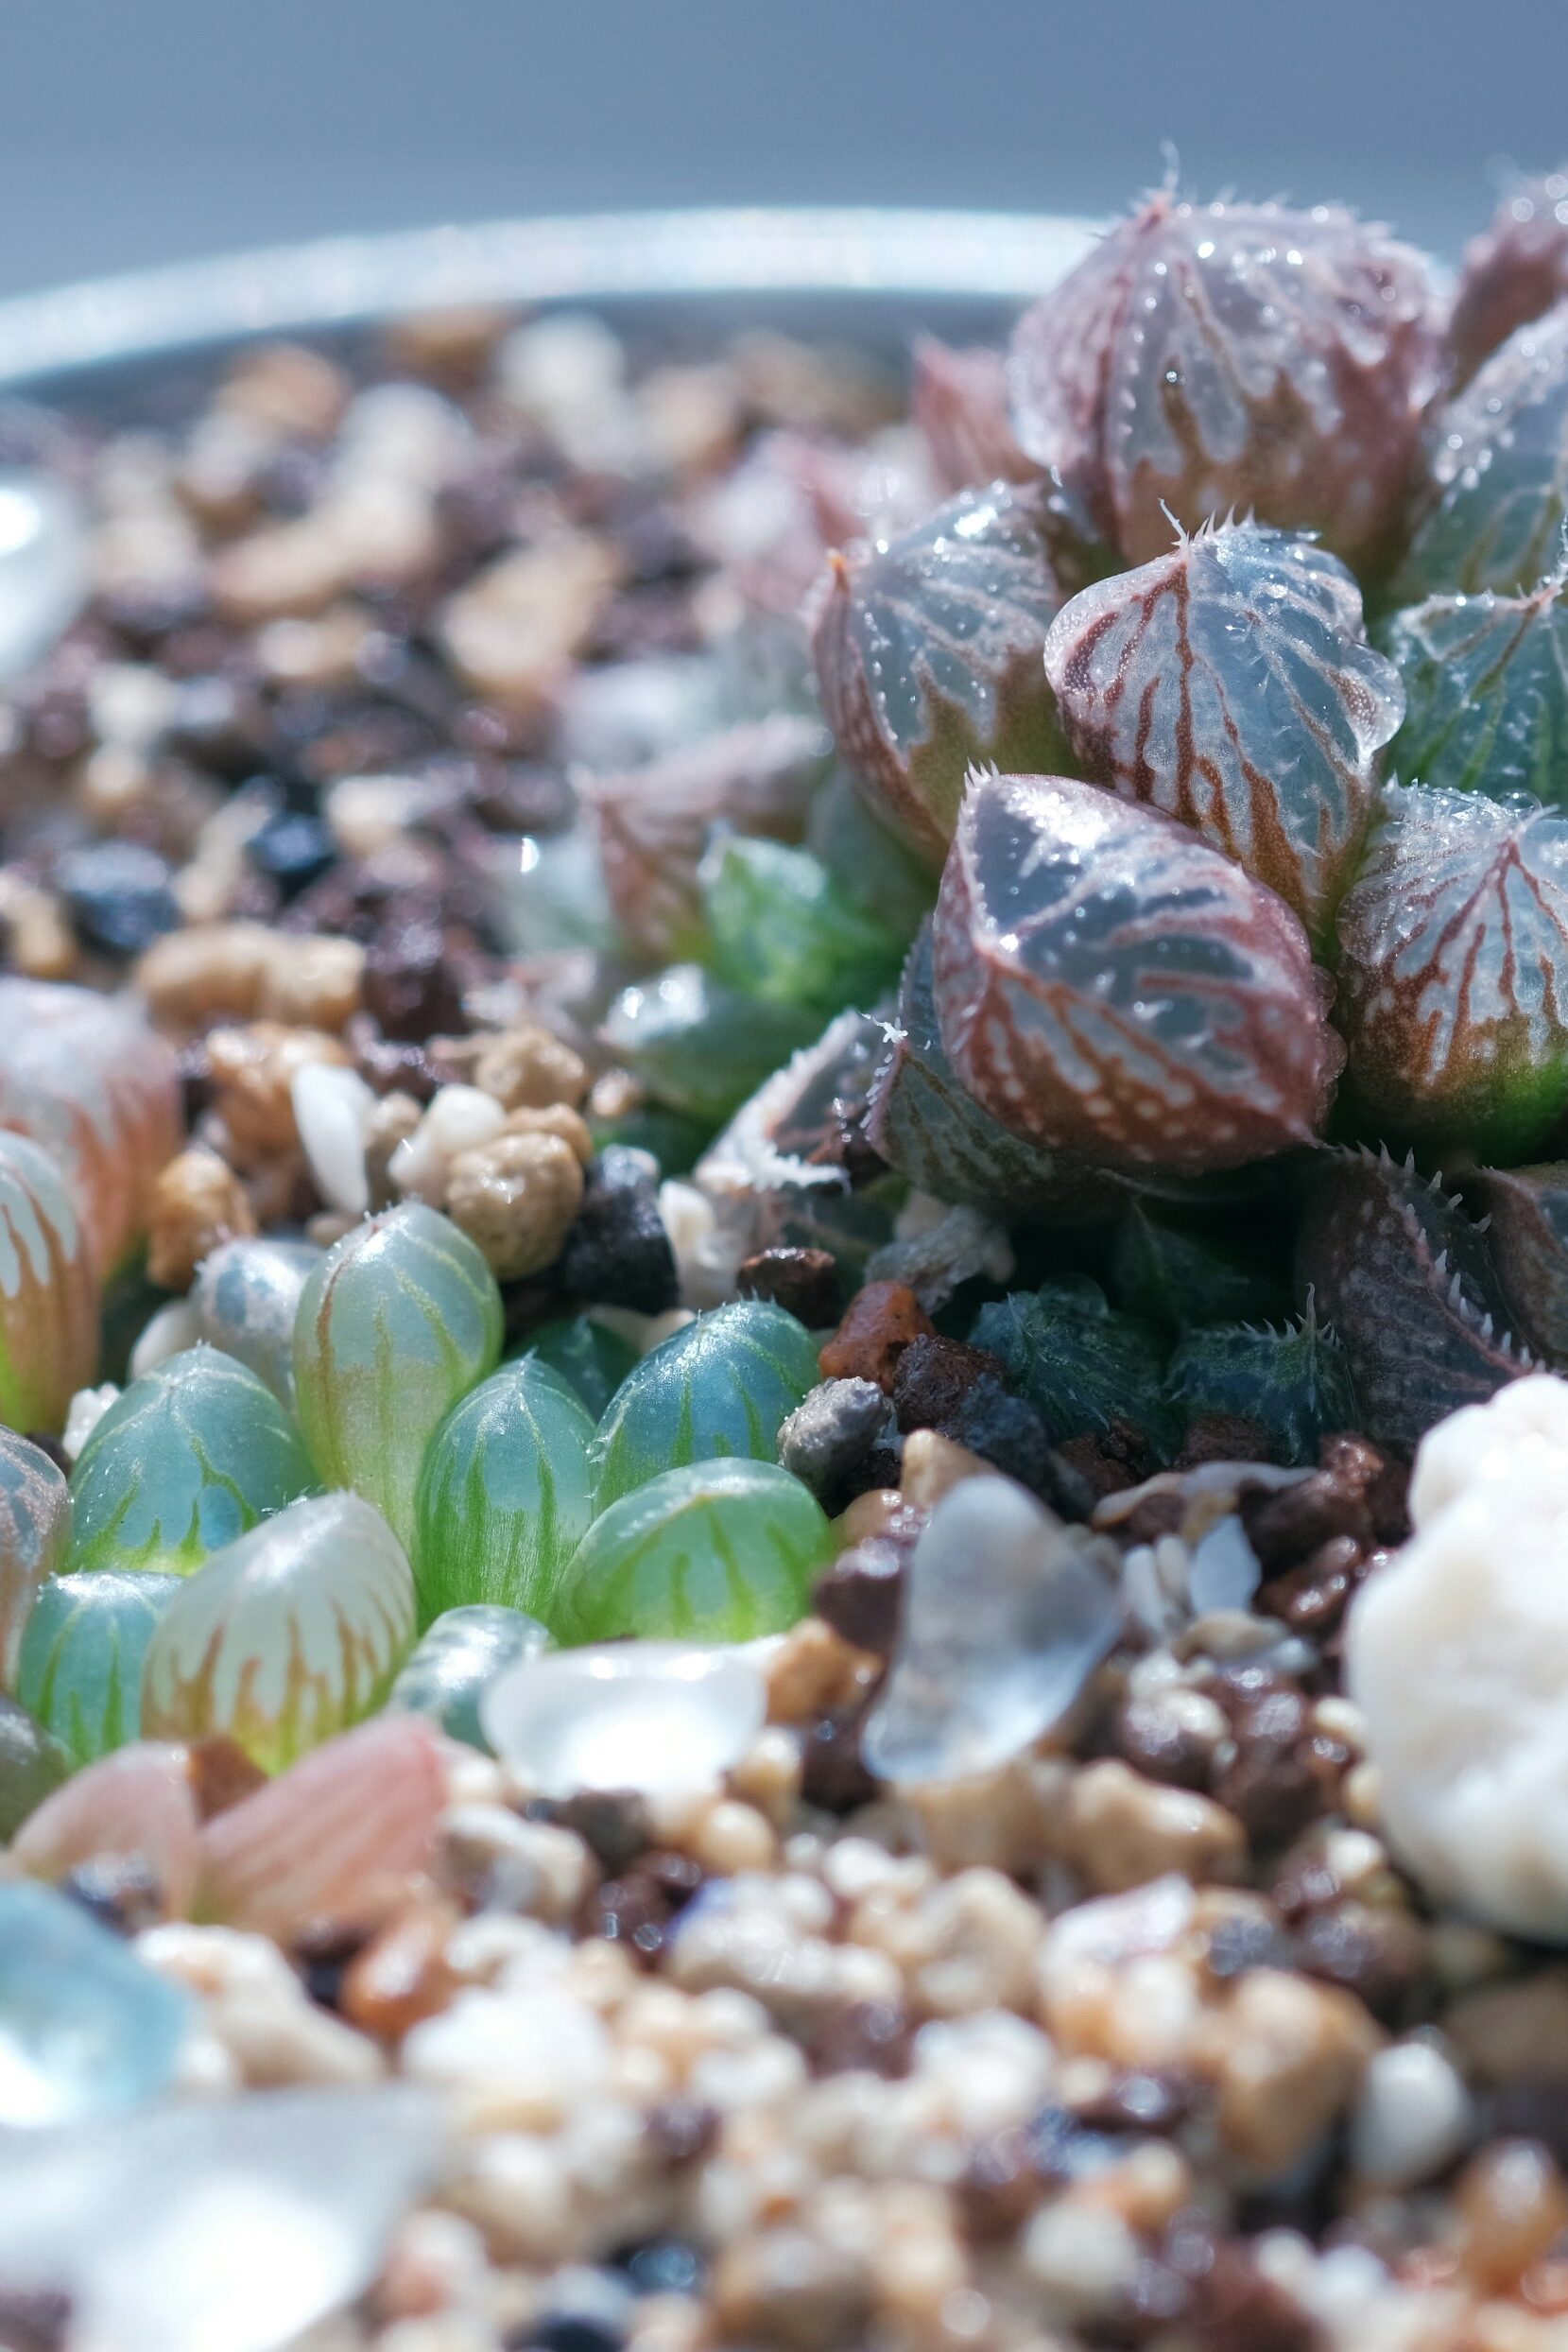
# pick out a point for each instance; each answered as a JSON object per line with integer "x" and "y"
{"x": 1206, "y": 357}
{"x": 1514, "y": 271}
{"x": 1486, "y": 689}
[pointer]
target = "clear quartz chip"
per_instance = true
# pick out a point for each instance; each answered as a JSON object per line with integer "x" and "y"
{"x": 658, "y": 1717}
{"x": 43, "y": 572}
{"x": 1006, "y": 1615}
{"x": 226, "y": 2227}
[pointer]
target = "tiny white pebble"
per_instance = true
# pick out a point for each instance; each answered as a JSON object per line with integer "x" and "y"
{"x": 457, "y": 1119}
{"x": 332, "y": 1108}
{"x": 175, "y": 1327}
{"x": 86, "y": 1410}
{"x": 1414, "y": 2114}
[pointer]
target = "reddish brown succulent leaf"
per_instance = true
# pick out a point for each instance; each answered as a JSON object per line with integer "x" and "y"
{"x": 1218, "y": 356}
{"x": 1403, "y": 1275}
{"x": 1228, "y": 683}
{"x": 654, "y": 823}
{"x": 1453, "y": 973}
{"x": 928, "y": 654}
{"x": 1514, "y": 271}
{"x": 958, "y": 401}
{"x": 1109, "y": 985}
{"x": 1527, "y": 1209}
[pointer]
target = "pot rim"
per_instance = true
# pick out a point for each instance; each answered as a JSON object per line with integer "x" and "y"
{"x": 349, "y": 281}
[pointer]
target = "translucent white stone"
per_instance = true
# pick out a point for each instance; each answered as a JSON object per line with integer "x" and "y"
{"x": 1005, "y": 1619}
{"x": 658, "y": 1716}
{"x": 1525, "y": 1423}
{"x": 87, "y": 1408}
{"x": 1225, "y": 1571}
{"x": 1413, "y": 2115}
{"x": 1456, "y": 1655}
{"x": 332, "y": 1108}
{"x": 169, "y": 1332}
{"x": 220, "y": 2226}
{"x": 43, "y": 567}
{"x": 458, "y": 1117}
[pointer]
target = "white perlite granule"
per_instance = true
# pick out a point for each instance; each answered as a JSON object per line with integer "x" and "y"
{"x": 1458, "y": 1656}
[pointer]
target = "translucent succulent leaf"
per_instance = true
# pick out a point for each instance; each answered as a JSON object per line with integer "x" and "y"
{"x": 1514, "y": 271}
{"x": 590, "y": 1358}
{"x": 190, "y": 1456}
{"x": 1294, "y": 1383}
{"x": 697, "y": 1045}
{"x": 721, "y": 1386}
{"x": 654, "y": 823}
{"x": 708, "y": 1551}
{"x": 87, "y": 1077}
{"x": 1107, "y": 984}
{"x": 457, "y": 1662}
{"x": 1500, "y": 474}
{"x": 32, "y": 1763}
{"x": 1527, "y": 1209}
{"x": 1007, "y": 1613}
{"x": 49, "y": 1291}
{"x": 1178, "y": 1272}
{"x": 35, "y": 1528}
{"x": 783, "y": 931}
{"x": 1403, "y": 1276}
{"x": 86, "y": 2028}
{"x": 505, "y": 1494}
{"x": 927, "y": 650}
{"x": 1453, "y": 994}
{"x": 958, "y": 402}
{"x": 398, "y": 1321}
{"x": 1205, "y": 357}
{"x": 286, "y": 1636}
{"x": 1486, "y": 686}
{"x": 1228, "y": 683}
{"x": 1082, "y": 1366}
{"x": 80, "y": 1672}
{"x": 929, "y": 1126}
{"x": 247, "y": 1297}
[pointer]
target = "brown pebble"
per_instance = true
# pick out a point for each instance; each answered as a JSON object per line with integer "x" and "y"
{"x": 197, "y": 1204}
{"x": 252, "y": 1070}
{"x": 1311, "y": 1599}
{"x": 516, "y": 1196}
{"x": 1288, "y": 1526}
{"x": 412, "y": 987}
{"x": 1110, "y": 1461}
{"x": 1223, "y": 1436}
{"x": 804, "y": 1282}
{"x": 1511, "y": 2202}
{"x": 1231, "y": 2305}
{"x": 1159, "y": 1742}
{"x": 221, "y": 1774}
{"x": 1383, "y": 1482}
{"x": 788, "y": 2287}
{"x": 861, "y": 1595}
{"x": 865, "y": 2037}
{"x": 934, "y": 1375}
{"x": 1377, "y": 1955}
{"x": 450, "y": 347}
{"x": 682, "y": 2130}
{"x": 636, "y": 1909}
{"x": 529, "y": 1068}
{"x": 831, "y": 1773}
{"x": 1281, "y": 1776}
{"x": 615, "y": 1825}
{"x": 402, "y": 1976}
{"x": 881, "y": 1321}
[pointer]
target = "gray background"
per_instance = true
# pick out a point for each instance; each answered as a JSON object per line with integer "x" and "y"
{"x": 140, "y": 131}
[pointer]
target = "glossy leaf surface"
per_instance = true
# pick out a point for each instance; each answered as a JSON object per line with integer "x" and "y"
{"x": 590, "y": 1358}
{"x": 398, "y": 1321}
{"x": 80, "y": 1672}
{"x": 1514, "y": 271}
{"x": 1500, "y": 471}
{"x": 190, "y": 1456}
{"x": 1209, "y": 357}
{"x": 927, "y": 650}
{"x": 783, "y": 930}
{"x": 505, "y": 1495}
{"x": 711, "y": 1551}
{"x": 721, "y": 1386}
{"x": 456, "y": 1661}
{"x": 1486, "y": 684}
{"x": 49, "y": 1291}
{"x": 35, "y": 1530}
{"x": 1453, "y": 992}
{"x": 699, "y": 1045}
{"x": 1108, "y": 984}
{"x": 1082, "y": 1365}
{"x": 247, "y": 1297}
{"x": 288, "y": 1636}
{"x": 1230, "y": 685}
